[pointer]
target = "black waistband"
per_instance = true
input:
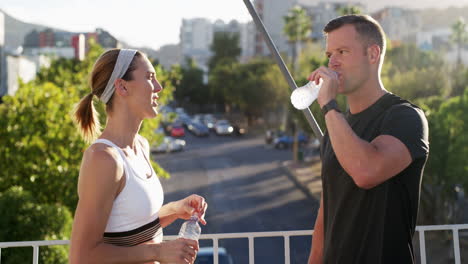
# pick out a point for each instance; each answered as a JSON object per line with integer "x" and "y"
{"x": 134, "y": 237}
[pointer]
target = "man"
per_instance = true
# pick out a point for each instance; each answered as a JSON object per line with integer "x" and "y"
{"x": 373, "y": 156}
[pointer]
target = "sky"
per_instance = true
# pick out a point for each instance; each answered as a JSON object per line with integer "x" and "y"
{"x": 150, "y": 23}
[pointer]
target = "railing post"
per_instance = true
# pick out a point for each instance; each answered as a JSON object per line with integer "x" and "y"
{"x": 251, "y": 250}
{"x": 35, "y": 254}
{"x": 422, "y": 246}
{"x": 456, "y": 246}
{"x": 287, "y": 255}
{"x": 215, "y": 251}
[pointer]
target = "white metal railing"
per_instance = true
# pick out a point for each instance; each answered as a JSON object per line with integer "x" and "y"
{"x": 252, "y": 235}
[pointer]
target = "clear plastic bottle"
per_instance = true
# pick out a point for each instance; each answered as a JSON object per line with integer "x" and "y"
{"x": 190, "y": 229}
{"x": 302, "y": 97}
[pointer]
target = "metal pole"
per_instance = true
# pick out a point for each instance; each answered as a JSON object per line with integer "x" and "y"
{"x": 258, "y": 22}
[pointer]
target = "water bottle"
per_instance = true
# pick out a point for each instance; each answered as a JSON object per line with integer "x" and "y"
{"x": 302, "y": 97}
{"x": 190, "y": 229}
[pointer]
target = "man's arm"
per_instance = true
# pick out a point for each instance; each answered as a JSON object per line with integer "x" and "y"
{"x": 368, "y": 163}
{"x": 316, "y": 251}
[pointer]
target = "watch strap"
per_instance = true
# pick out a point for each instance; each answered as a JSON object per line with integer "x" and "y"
{"x": 329, "y": 106}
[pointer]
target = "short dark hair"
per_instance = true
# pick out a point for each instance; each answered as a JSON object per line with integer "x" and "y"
{"x": 368, "y": 29}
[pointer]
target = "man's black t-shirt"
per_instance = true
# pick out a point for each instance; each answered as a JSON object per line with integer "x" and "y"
{"x": 375, "y": 225}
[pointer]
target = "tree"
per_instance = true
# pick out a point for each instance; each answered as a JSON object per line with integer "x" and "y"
{"x": 225, "y": 48}
{"x": 349, "y": 10}
{"x": 253, "y": 88}
{"x": 446, "y": 166}
{"x": 191, "y": 86}
{"x": 25, "y": 219}
{"x": 297, "y": 27}
{"x": 412, "y": 73}
{"x": 459, "y": 37}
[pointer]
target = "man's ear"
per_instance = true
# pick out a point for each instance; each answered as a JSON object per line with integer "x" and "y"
{"x": 120, "y": 87}
{"x": 373, "y": 53}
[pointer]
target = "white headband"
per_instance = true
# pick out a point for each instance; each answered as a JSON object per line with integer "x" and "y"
{"x": 123, "y": 61}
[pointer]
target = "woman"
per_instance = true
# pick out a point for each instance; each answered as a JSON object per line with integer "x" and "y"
{"x": 120, "y": 213}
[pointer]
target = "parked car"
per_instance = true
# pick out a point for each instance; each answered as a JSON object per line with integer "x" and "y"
{"x": 285, "y": 141}
{"x": 209, "y": 120}
{"x": 205, "y": 256}
{"x": 198, "y": 129}
{"x": 223, "y": 127}
{"x": 169, "y": 144}
{"x": 271, "y": 135}
{"x": 177, "y": 130}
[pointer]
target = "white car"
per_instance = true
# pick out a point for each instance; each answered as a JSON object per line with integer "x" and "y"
{"x": 169, "y": 144}
{"x": 223, "y": 127}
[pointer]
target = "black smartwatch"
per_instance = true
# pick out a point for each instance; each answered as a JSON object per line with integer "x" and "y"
{"x": 329, "y": 106}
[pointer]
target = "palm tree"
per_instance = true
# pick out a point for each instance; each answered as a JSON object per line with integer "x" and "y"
{"x": 459, "y": 36}
{"x": 297, "y": 27}
{"x": 349, "y": 10}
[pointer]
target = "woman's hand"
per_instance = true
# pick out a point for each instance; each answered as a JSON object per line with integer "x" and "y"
{"x": 179, "y": 251}
{"x": 193, "y": 204}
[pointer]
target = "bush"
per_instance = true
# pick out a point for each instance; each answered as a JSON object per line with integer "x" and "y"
{"x": 32, "y": 221}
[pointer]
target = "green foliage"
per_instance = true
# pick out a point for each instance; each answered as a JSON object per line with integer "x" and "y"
{"x": 459, "y": 36}
{"x": 349, "y": 10}
{"x": 297, "y": 24}
{"x": 408, "y": 57}
{"x": 459, "y": 80}
{"x": 412, "y": 73}
{"x": 28, "y": 220}
{"x": 297, "y": 27}
{"x": 254, "y": 88}
{"x": 447, "y": 165}
{"x": 225, "y": 48}
{"x": 40, "y": 143}
{"x": 191, "y": 86}
{"x": 418, "y": 83}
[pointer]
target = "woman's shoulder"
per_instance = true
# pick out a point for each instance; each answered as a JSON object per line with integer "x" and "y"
{"x": 102, "y": 152}
{"x": 102, "y": 166}
{"x": 103, "y": 158}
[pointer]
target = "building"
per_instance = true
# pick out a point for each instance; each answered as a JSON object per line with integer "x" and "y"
{"x": 323, "y": 12}
{"x": 19, "y": 67}
{"x": 3, "y": 85}
{"x": 169, "y": 55}
{"x": 247, "y": 41}
{"x": 196, "y": 36}
{"x": 399, "y": 24}
{"x": 78, "y": 42}
{"x": 64, "y": 44}
{"x": 272, "y": 12}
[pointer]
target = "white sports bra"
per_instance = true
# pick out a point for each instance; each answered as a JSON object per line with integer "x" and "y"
{"x": 134, "y": 216}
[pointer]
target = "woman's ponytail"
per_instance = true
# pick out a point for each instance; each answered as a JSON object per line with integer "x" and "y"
{"x": 87, "y": 118}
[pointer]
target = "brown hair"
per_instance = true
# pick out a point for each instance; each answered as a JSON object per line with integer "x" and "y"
{"x": 86, "y": 116}
{"x": 368, "y": 29}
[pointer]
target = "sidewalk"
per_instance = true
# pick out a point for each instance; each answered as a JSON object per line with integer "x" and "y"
{"x": 306, "y": 175}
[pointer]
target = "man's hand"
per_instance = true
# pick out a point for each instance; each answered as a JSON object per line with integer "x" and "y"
{"x": 330, "y": 85}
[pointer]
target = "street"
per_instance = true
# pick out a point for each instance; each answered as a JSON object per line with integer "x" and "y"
{"x": 247, "y": 190}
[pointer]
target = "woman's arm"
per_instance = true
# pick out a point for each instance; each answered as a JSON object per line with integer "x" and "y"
{"x": 101, "y": 179}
